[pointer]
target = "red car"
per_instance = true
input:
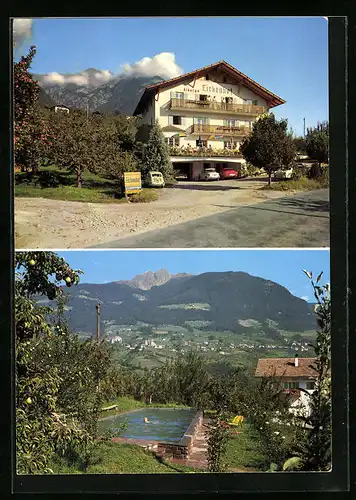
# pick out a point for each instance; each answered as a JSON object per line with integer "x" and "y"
{"x": 228, "y": 173}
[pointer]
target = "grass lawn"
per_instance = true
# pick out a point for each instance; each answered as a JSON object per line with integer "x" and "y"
{"x": 243, "y": 451}
{"x": 54, "y": 183}
{"x": 115, "y": 458}
{"x": 126, "y": 403}
{"x": 302, "y": 184}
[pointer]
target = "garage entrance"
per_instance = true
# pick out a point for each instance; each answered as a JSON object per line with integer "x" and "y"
{"x": 183, "y": 171}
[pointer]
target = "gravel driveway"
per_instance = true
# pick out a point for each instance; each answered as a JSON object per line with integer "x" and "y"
{"x": 44, "y": 223}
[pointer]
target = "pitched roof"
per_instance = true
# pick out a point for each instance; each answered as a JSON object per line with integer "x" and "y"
{"x": 285, "y": 367}
{"x": 272, "y": 99}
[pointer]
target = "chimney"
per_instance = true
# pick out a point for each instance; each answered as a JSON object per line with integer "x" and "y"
{"x": 296, "y": 360}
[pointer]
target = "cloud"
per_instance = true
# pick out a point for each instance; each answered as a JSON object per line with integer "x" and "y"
{"x": 22, "y": 30}
{"x": 163, "y": 64}
{"x": 305, "y": 297}
{"x": 91, "y": 77}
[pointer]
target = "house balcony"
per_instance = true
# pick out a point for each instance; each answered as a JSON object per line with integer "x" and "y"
{"x": 204, "y": 152}
{"x": 220, "y": 130}
{"x": 216, "y": 107}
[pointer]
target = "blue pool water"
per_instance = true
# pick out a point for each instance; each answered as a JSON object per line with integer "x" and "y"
{"x": 165, "y": 424}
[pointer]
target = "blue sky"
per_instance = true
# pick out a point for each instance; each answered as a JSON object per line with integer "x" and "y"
{"x": 289, "y": 56}
{"x": 281, "y": 266}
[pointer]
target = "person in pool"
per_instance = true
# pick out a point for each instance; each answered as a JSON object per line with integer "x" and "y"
{"x": 146, "y": 421}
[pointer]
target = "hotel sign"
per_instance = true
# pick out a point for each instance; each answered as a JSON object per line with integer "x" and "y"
{"x": 132, "y": 182}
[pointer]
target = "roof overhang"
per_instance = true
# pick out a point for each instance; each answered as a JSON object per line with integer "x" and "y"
{"x": 241, "y": 79}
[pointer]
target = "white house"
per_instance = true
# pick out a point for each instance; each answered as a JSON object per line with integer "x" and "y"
{"x": 294, "y": 374}
{"x": 60, "y": 107}
{"x": 116, "y": 338}
{"x": 204, "y": 115}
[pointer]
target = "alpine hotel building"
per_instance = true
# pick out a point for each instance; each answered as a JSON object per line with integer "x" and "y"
{"x": 204, "y": 115}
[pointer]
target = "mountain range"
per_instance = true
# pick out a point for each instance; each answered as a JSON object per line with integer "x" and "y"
{"x": 220, "y": 301}
{"x": 119, "y": 94}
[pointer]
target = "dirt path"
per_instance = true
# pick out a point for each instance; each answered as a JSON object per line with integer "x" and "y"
{"x": 44, "y": 223}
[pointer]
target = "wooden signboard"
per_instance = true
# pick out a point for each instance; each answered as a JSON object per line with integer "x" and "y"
{"x": 132, "y": 182}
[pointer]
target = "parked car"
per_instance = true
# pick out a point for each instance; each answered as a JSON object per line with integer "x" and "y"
{"x": 209, "y": 174}
{"x": 283, "y": 173}
{"x": 228, "y": 173}
{"x": 154, "y": 179}
{"x": 181, "y": 175}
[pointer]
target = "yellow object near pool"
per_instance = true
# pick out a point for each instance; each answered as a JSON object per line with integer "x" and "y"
{"x": 238, "y": 420}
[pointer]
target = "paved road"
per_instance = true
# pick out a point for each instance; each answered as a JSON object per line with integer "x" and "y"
{"x": 300, "y": 220}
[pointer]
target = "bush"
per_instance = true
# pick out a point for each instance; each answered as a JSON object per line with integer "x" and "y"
{"x": 251, "y": 170}
{"x": 316, "y": 172}
{"x": 302, "y": 184}
{"x": 299, "y": 172}
{"x": 144, "y": 196}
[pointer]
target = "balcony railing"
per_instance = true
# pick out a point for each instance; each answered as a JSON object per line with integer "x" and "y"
{"x": 217, "y": 107}
{"x": 222, "y": 130}
{"x": 206, "y": 152}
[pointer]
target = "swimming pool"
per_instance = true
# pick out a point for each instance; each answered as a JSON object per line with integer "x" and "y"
{"x": 165, "y": 424}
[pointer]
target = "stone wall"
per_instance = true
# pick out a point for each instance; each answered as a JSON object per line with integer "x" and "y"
{"x": 183, "y": 448}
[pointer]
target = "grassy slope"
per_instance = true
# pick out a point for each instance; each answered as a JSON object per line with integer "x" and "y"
{"x": 302, "y": 184}
{"x": 243, "y": 451}
{"x": 94, "y": 189}
{"x": 115, "y": 458}
{"x": 127, "y": 403}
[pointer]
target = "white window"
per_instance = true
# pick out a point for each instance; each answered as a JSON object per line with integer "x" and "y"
{"x": 177, "y": 120}
{"x": 230, "y": 123}
{"x": 248, "y": 101}
{"x": 172, "y": 141}
{"x": 200, "y": 121}
{"x": 178, "y": 95}
{"x": 310, "y": 385}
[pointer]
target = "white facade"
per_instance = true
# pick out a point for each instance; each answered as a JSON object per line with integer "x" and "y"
{"x": 117, "y": 338}
{"x": 61, "y": 108}
{"x": 205, "y": 112}
{"x": 204, "y": 115}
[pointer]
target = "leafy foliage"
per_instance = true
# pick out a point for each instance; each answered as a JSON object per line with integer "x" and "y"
{"x": 57, "y": 376}
{"x": 30, "y": 134}
{"x": 217, "y": 440}
{"x": 313, "y": 445}
{"x": 269, "y": 146}
{"x": 317, "y": 142}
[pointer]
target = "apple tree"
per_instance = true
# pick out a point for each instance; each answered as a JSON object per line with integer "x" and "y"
{"x": 57, "y": 375}
{"x": 30, "y": 136}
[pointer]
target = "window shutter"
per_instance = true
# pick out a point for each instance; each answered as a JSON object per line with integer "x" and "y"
{"x": 170, "y": 120}
{"x": 186, "y": 96}
{"x": 225, "y": 122}
{"x": 183, "y": 120}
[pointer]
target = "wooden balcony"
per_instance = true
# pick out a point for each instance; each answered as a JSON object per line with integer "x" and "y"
{"x": 204, "y": 152}
{"x": 221, "y": 130}
{"x": 216, "y": 107}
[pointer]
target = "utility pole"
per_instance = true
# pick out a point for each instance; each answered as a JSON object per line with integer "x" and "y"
{"x": 304, "y": 127}
{"x": 98, "y": 323}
